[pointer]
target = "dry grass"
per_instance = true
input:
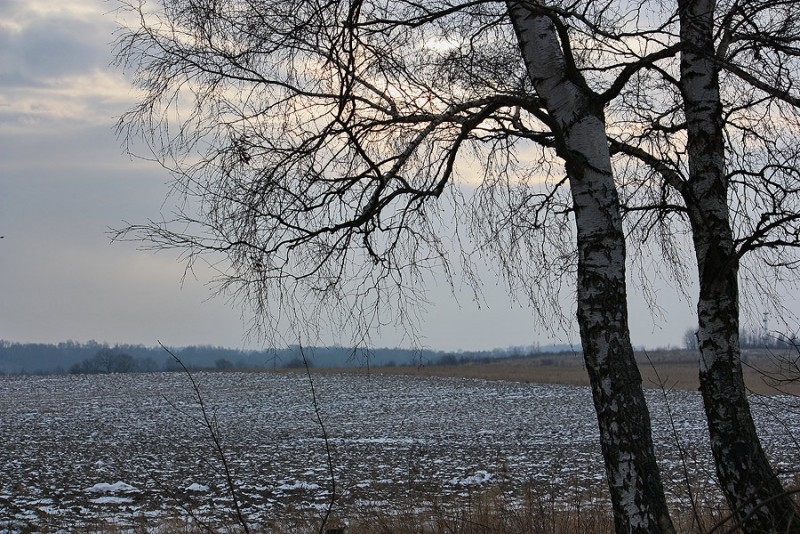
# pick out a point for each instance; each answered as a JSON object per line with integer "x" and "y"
{"x": 674, "y": 369}
{"x": 538, "y": 510}
{"x": 494, "y": 511}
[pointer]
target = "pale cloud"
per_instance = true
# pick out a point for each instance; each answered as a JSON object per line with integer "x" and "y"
{"x": 54, "y": 63}
{"x": 98, "y": 96}
{"x": 18, "y": 11}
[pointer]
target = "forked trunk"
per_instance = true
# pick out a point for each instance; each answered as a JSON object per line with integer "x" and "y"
{"x": 750, "y": 485}
{"x": 633, "y": 475}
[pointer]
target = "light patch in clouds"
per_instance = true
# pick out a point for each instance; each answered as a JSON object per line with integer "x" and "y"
{"x": 65, "y": 99}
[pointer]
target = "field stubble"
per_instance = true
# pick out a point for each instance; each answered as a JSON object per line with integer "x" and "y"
{"x": 667, "y": 369}
{"x": 420, "y": 453}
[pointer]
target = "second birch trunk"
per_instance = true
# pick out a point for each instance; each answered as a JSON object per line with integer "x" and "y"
{"x": 749, "y": 483}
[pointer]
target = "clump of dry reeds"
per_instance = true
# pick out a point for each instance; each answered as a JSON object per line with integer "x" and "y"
{"x": 490, "y": 511}
{"x": 494, "y": 510}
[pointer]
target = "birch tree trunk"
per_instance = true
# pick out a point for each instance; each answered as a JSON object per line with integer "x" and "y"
{"x": 750, "y": 485}
{"x": 633, "y": 476}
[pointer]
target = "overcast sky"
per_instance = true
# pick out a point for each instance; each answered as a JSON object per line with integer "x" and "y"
{"x": 64, "y": 180}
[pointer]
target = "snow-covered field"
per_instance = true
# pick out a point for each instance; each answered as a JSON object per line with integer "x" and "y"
{"x": 133, "y": 449}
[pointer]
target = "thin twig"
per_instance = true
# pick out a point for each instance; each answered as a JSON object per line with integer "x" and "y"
{"x": 210, "y": 423}
{"x": 675, "y": 436}
{"x": 328, "y": 453}
{"x": 754, "y": 511}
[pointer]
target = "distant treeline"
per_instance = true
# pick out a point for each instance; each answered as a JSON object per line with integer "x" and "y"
{"x": 93, "y": 357}
{"x": 749, "y": 339}
{"x": 752, "y": 339}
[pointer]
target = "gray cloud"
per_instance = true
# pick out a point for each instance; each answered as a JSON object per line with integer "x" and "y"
{"x": 44, "y": 48}
{"x": 61, "y": 278}
{"x": 61, "y": 189}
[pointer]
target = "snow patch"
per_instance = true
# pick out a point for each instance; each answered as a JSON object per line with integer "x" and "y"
{"x": 111, "y": 500}
{"x": 298, "y": 485}
{"x": 104, "y": 487}
{"x": 480, "y": 477}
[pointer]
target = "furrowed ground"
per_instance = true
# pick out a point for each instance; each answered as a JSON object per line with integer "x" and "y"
{"x": 114, "y": 452}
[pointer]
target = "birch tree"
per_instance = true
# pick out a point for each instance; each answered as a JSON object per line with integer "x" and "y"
{"x": 315, "y": 144}
{"x": 720, "y": 142}
{"x": 751, "y": 486}
{"x": 577, "y": 121}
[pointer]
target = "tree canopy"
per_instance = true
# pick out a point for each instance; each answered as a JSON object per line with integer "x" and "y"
{"x": 324, "y": 149}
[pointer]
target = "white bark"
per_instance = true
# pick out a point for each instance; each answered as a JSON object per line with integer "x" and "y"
{"x": 624, "y": 421}
{"x": 746, "y": 477}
